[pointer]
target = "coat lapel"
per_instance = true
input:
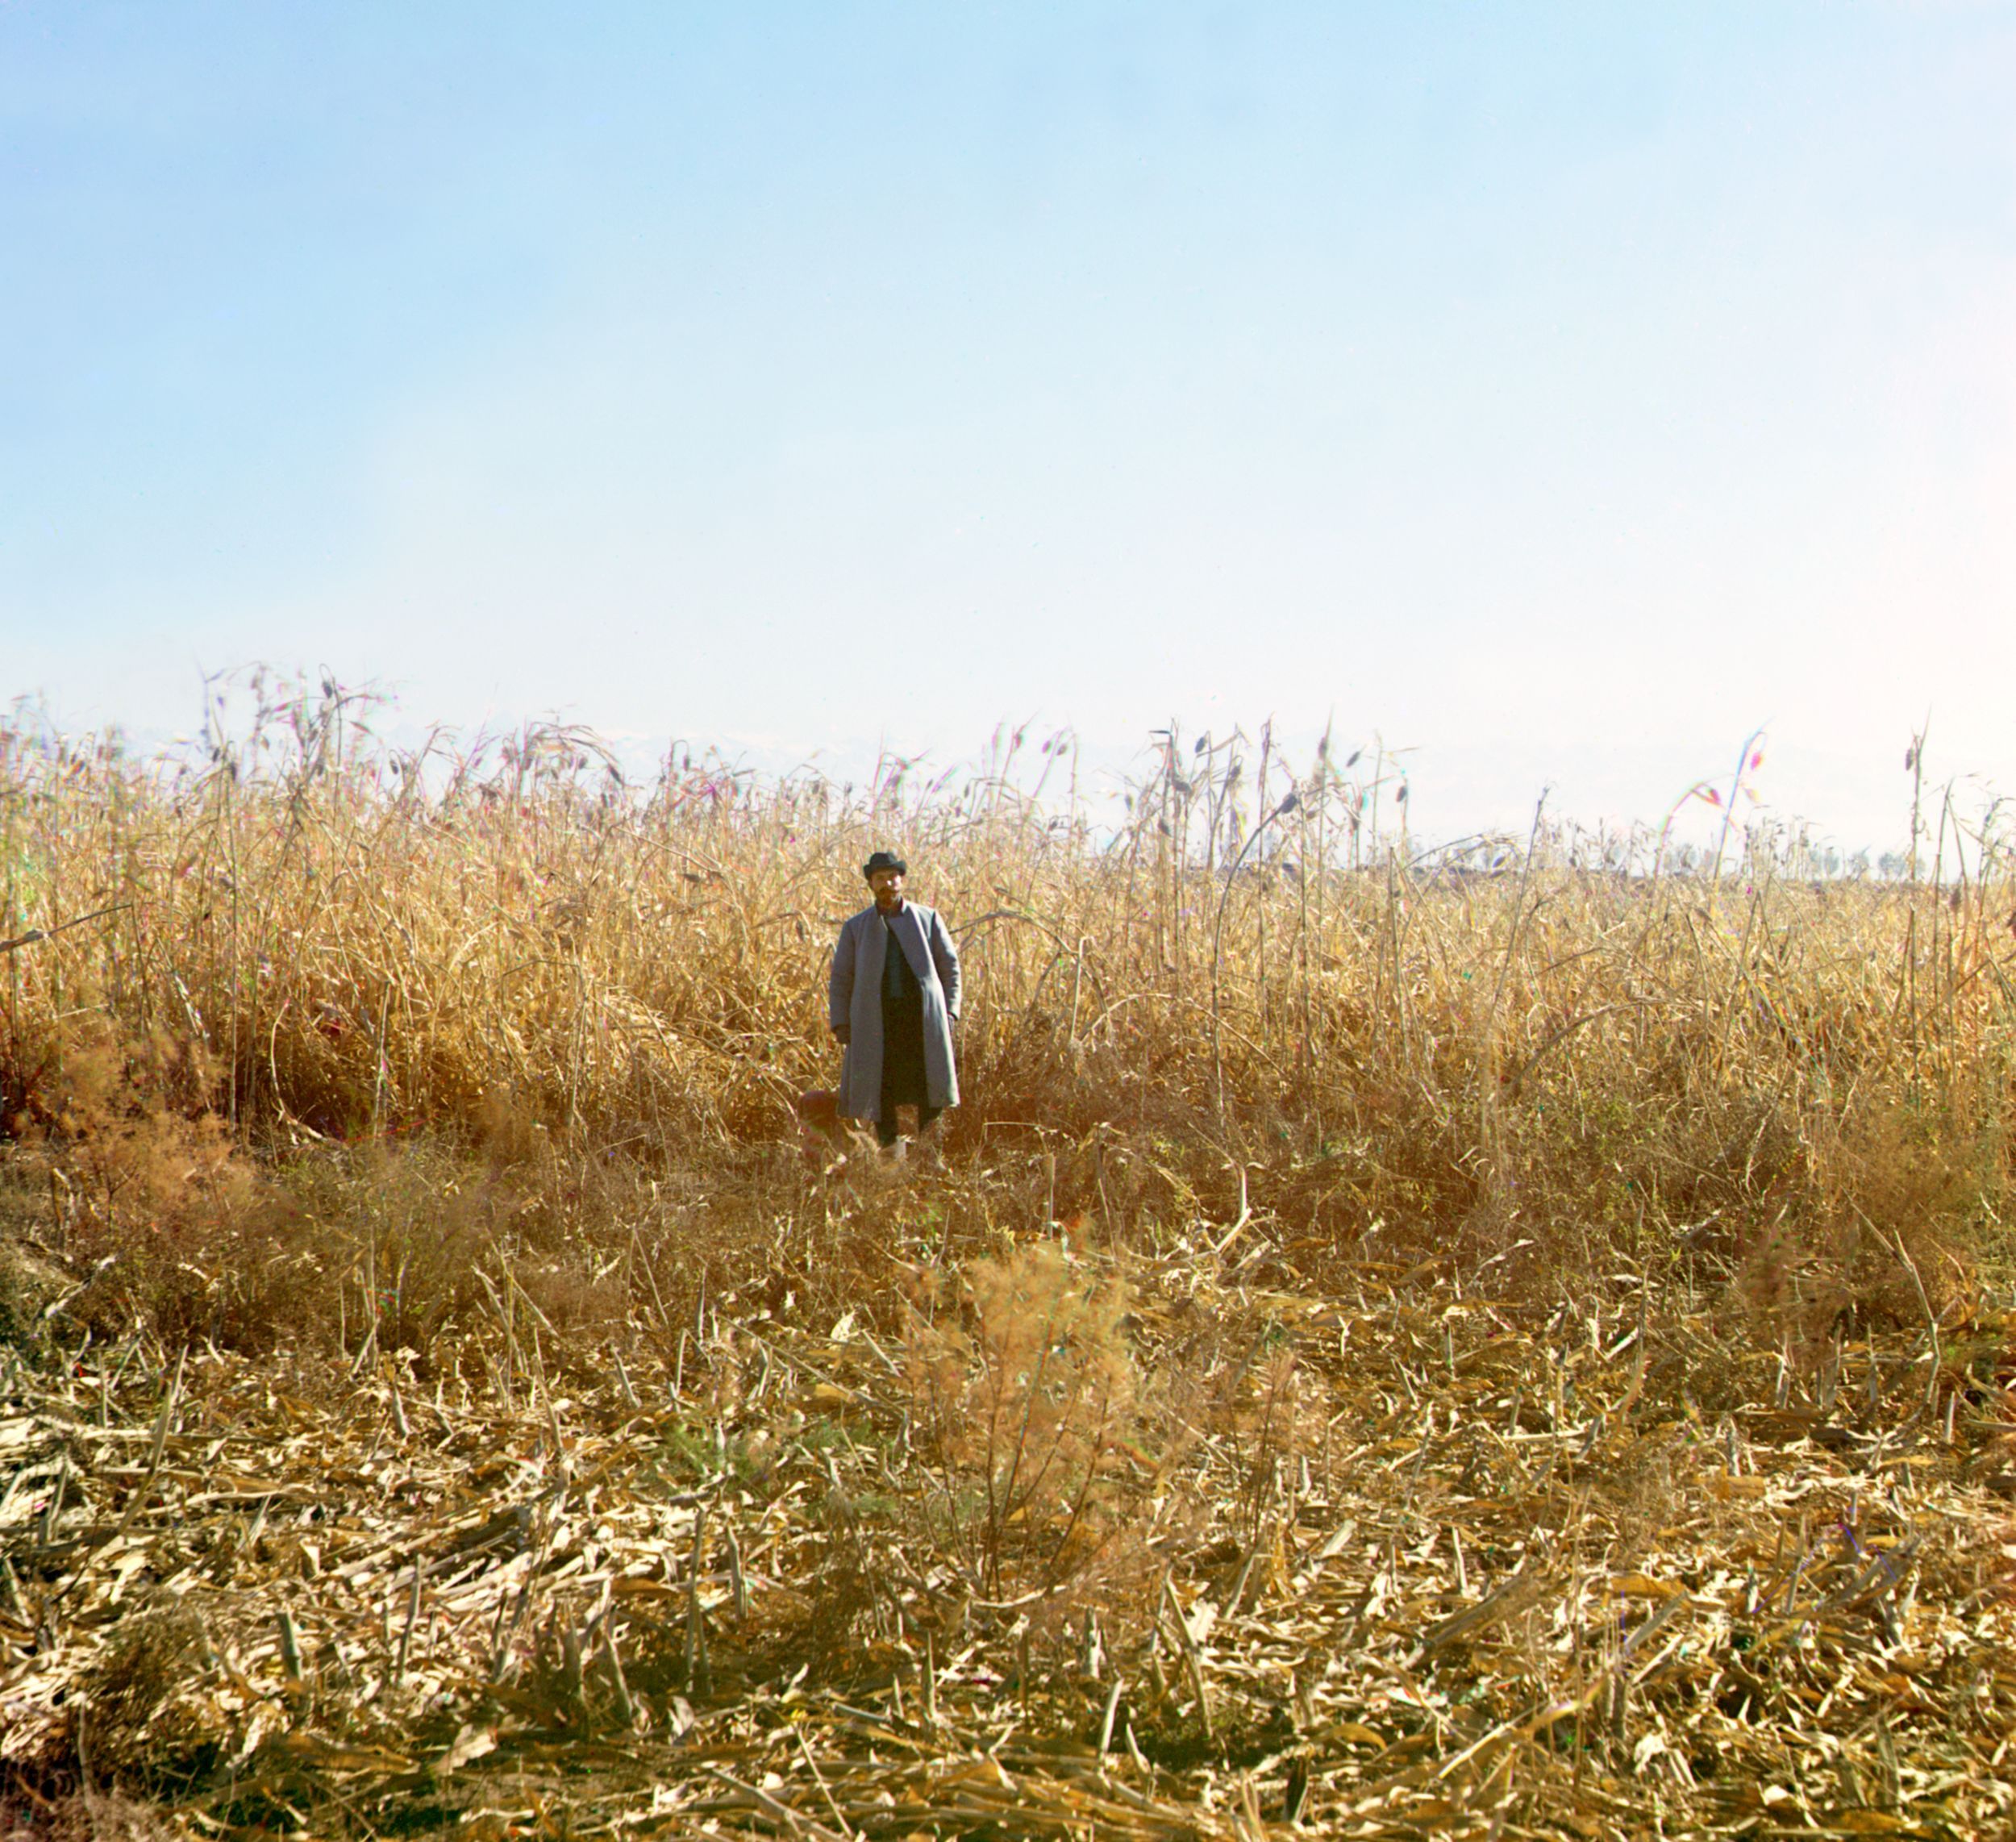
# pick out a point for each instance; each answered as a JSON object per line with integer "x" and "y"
{"x": 873, "y": 950}
{"x": 909, "y": 936}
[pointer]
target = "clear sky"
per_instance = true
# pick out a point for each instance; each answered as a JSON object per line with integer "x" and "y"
{"x": 1560, "y": 391}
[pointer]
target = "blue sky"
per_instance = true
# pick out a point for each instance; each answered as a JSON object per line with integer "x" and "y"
{"x": 1559, "y": 391}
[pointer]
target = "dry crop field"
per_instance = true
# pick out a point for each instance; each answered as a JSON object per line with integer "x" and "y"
{"x": 1389, "y": 1351}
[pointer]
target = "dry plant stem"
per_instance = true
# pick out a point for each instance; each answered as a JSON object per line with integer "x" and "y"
{"x": 1729, "y": 806}
{"x": 1488, "y": 1133}
{"x": 1218, "y": 960}
{"x": 1931, "y": 1321}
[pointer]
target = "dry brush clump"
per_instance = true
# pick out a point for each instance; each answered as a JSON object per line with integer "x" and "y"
{"x": 1029, "y": 1402}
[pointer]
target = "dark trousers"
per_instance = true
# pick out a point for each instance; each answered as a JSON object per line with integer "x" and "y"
{"x": 903, "y": 1078}
{"x": 885, "y": 1126}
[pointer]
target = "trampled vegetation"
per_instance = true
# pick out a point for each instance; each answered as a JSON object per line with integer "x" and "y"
{"x": 1398, "y": 1344}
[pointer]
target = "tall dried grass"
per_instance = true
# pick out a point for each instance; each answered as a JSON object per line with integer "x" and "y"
{"x": 1550, "y": 1057}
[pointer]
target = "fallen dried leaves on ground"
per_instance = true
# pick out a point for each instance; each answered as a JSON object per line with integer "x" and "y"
{"x": 1382, "y": 1556}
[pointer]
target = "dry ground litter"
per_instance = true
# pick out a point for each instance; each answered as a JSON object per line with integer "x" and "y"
{"x": 1400, "y": 1558}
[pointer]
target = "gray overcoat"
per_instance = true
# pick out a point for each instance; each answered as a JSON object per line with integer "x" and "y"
{"x": 854, "y": 1002}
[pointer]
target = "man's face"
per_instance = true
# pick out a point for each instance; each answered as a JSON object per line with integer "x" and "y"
{"x": 887, "y": 885}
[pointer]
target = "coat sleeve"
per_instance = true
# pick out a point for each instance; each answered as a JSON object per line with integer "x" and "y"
{"x": 945, "y": 957}
{"x": 839, "y": 986}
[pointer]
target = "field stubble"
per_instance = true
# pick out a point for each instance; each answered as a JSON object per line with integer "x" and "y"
{"x": 1400, "y": 1350}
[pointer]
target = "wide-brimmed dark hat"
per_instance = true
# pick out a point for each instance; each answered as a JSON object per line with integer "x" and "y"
{"x": 885, "y": 861}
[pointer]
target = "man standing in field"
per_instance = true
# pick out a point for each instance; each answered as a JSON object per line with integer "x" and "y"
{"x": 892, "y": 1001}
